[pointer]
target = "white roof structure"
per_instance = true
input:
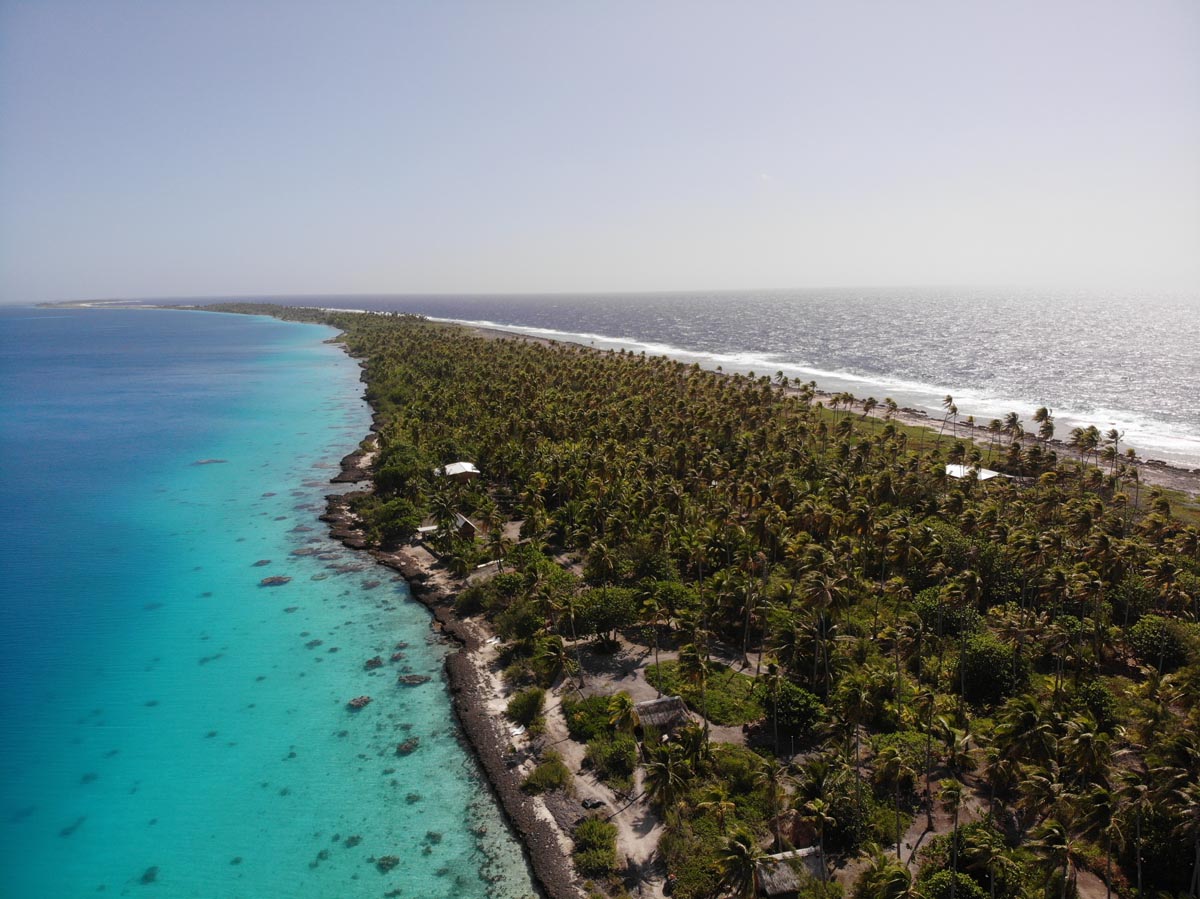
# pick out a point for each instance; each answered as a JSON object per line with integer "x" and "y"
{"x": 458, "y": 469}
{"x": 966, "y": 471}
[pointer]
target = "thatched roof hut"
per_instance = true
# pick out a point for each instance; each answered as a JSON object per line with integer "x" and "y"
{"x": 784, "y": 873}
{"x": 664, "y": 714}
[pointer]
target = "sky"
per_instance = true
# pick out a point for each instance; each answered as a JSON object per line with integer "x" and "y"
{"x": 152, "y": 149}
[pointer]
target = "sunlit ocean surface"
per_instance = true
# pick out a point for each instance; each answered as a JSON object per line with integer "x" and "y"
{"x": 1116, "y": 360}
{"x": 168, "y": 727}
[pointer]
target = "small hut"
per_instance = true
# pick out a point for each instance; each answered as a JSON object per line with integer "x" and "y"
{"x": 464, "y": 526}
{"x": 664, "y": 715}
{"x": 460, "y": 472}
{"x": 784, "y": 873}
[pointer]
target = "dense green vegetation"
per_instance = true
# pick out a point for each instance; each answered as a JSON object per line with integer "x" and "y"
{"x": 1022, "y": 650}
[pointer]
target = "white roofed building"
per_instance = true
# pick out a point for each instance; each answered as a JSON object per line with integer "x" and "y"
{"x": 966, "y": 471}
{"x": 458, "y": 471}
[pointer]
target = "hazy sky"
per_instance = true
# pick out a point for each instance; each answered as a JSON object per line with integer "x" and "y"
{"x": 197, "y": 148}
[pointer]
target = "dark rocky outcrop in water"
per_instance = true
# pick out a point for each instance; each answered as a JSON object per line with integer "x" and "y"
{"x": 277, "y": 580}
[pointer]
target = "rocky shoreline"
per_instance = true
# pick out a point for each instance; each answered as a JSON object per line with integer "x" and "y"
{"x": 552, "y": 870}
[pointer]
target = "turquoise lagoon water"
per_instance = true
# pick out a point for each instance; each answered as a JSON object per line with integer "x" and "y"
{"x": 170, "y": 728}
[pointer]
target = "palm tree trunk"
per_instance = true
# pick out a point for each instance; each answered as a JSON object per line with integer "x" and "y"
{"x": 1137, "y": 849}
{"x": 657, "y": 691}
{"x": 1108, "y": 868}
{"x": 898, "y": 855}
{"x": 954, "y": 854}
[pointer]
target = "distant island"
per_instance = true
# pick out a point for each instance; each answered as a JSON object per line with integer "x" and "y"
{"x": 726, "y": 636}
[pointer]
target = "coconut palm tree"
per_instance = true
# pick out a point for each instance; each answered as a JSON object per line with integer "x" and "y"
{"x": 666, "y": 776}
{"x": 951, "y": 798}
{"x": 1055, "y": 846}
{"x": 773, "y": 778}
{"x": 738, "y": 864}
{"x": 693, "y": 665}
{"x": 893, "y": 768}
{"x": 1101, "y": 819}
{"x": 622, "y": 714}
{"x": 717, "y": 801}
{"x": 818, "y": 813}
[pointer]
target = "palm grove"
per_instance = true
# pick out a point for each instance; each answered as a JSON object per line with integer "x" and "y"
{"x": 920, "y": 646}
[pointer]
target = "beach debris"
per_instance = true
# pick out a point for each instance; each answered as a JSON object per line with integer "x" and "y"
{"x": 261, "y": 562}
{"x": 408, "y": 746}
{"x": 385, "y": 863}
{"x": 150, "y": 875}
{"x": 359, "y": 702}
{"x": 372, "y": 664}
{"x": 413, "y": 680}
{"x": 276, "y": 580}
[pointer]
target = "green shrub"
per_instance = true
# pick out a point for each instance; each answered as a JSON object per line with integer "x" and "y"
{"x": 550, "y": 774}
{"x": 526, "y": 707}
{"x": 944, "y": 618}
{"x": 395, "y": 521}
{"x": 798, "y": 710}
{"x": 989, "y": 669}
{"x": 1132, "y": 598}
{"x": 595, "y": 847}
{"x": 470, "y": 601}
{"x": 587, "y": 719}
{"x": 1158, "y": 642}
{"x": 938, "y": 886}
{"x": 614, "y": 759}
{"x": 1099, "y": 700}
{"x": 520, "y": 621}
{"x": 602, "y": 611}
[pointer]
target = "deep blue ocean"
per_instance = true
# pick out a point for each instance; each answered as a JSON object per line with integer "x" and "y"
{"x": 1124, "y": 360}
{"x": 169, "y": 727}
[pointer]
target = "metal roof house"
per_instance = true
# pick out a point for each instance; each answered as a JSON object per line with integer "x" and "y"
{"x": 458, "y": 471}
{"x": 966, "y": 471}
{"x": 784, "y": 873}
{"x": 664, "y": 714}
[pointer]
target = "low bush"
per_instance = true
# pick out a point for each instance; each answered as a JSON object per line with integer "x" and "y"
{"x": 614, "y": 760}
{"x": 795, "y": 709}
{"x": 1158, "y": 642}
{"x": 595, "y": 847}
{"x": 989, "y": 669}
{"x": 526, "y": 707}
{"x": 587, "y": 719}
{"x": 939, "y": 886}
{"x": 550, "y": 774}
